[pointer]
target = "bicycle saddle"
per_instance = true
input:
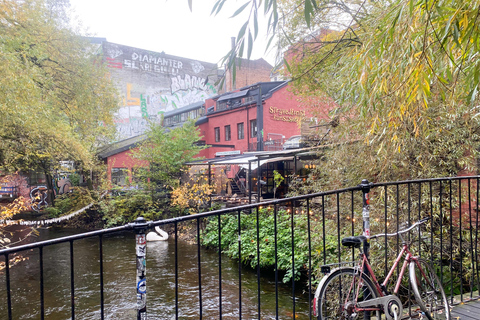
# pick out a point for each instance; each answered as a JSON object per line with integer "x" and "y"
{"x": 353, "y": 242}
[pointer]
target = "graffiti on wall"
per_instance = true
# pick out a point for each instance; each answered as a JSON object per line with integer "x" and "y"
{"x": 38, "y": 198}
{"x": 153, "y": 83}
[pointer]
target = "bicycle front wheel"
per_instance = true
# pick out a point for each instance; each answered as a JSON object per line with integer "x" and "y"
{"x": 338, "y": 295}
{"x": 428, "y": 290}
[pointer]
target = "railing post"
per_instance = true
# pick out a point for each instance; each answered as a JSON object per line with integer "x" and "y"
{"x": 140, "y": 226}
{"x": 365, "y": 185}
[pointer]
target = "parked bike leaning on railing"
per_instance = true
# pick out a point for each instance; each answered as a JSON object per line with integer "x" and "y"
{"x": 354, "y": 292}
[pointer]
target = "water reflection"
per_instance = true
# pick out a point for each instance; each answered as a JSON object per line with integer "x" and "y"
{"x": 119, "y": 283}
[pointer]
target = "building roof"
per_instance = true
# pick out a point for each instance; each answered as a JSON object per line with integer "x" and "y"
{"x": 120, "y": 146}
{"x": 267, "y": 87}
{"x": 192, "y": 106}
{"x": 237, "y": 94}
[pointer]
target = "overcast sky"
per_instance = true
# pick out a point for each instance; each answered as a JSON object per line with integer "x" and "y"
{"x": 169, "y": 26}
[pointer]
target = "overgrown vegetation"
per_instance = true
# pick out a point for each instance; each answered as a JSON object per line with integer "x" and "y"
{"x": 50, "y": 90}
{"x": 163, "y": 156}
{"x": 267, "y": 235}
{"x": 448, "y": 239}
{"x": 72, "y": 201}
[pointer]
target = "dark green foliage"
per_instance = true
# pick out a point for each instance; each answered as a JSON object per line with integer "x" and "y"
{"x": 69, "y": 202}
{"x": 266, "y": 240}
{"x": 126, "y": 206}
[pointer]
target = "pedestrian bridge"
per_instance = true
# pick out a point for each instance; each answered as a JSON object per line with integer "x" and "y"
{"x": 290, "y": 238}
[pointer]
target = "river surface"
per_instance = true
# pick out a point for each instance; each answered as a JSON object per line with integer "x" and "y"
{"x": 119, "y": 283}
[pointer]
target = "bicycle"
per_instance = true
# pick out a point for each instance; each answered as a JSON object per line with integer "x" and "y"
{"x": 354, "y": 293}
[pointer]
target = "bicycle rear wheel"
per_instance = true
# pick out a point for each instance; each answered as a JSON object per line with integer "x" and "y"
{"x": 428, "y": 290}
{"x": 337, "y": 295}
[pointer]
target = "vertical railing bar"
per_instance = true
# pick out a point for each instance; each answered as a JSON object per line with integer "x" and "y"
{"x": 476, "y": 241}
{"x": 72, "y": 281}
{"x": 461, "y": 238}
{"x": 258, "y": 262}
{"x": 100, "y": 253}
{"x": 353, "y": 220}
{"x": 398, "y": 223}
{"x": 219, "y": 266}
{"x": 292, "y": 226}
{"x": 42, "y": 295}
{"x": 441, "y": 231}
{"x": 409, "y": 191}
{"x": 451, "y": 239}
{"x": 409, "y": 202}
{"x": 7, "y": 280}
{"x": 419, "y": 217}
{"x": 199, "y": 262}
{"x": 310, "y": 259}
{"x": 176, "y": 269}
{"x": 239, "y": 265}
{"x": 431, "y": 222}
{"x": 323, "y": 227}
{"x": 338, "y": 228}
{"x": 472, "y": 279}
{"x": 276, "y": 260}
{"x": 385, "y": 230}
{"x": 140, "y": 226}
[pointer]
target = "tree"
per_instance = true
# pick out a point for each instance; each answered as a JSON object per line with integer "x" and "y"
{"x": 194, "y": 193}
{"x": 407, "y": 88}
{"x": 166, "y": 151}
{"x": 405, "y": 76}
{"x": 56, "y": 99}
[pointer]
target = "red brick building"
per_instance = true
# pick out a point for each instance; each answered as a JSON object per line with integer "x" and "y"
{"x": 236, "y": 122}
{"x": 120, "y": 163}
{"x": 248, "y": 72}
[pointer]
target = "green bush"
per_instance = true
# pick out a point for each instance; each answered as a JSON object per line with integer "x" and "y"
{"x": 266, "y": 238}
{"x": 69, "y": 202}
{"x": 126, "y": 206}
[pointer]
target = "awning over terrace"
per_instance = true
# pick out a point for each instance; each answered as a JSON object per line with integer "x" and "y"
{"x": 250, "y": 161}
{"x": 254, "y": 158}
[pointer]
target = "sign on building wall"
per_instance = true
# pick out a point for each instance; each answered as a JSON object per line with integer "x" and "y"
{"x": 152, "y": 83}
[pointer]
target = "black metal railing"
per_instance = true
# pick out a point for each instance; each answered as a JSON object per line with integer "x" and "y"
{"x": 291, "y": 238}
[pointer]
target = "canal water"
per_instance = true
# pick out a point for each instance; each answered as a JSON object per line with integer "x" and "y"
{"x": 119, "y": 283}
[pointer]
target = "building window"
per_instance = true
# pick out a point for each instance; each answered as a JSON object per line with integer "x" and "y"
{"x": 250, "y": 99}
{"x": 36, "y": 178}
{"x": 119, "y": 176}
{"x": 253, "y": 128}
{"x": 217, "y": 134}
{"x": 240, "y": 132}
{"x": 222, "y": 105}
{"x": 228, "y": 133}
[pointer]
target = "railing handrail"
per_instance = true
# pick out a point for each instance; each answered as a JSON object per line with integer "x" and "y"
{"x": 153, "y": 224}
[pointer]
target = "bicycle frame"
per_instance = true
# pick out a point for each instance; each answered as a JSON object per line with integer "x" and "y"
{"x": 365, "y": 267}
{"x": 381, "y": 288}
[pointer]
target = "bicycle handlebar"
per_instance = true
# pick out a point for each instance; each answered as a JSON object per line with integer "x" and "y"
{"x": 419, "y": 222}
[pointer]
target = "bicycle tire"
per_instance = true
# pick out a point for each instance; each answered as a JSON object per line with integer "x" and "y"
{"x": 433, "y": 303}
{"x": 340, "y": 302}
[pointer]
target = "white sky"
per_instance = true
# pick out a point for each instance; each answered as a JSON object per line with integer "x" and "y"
{"x": 169, "y": 26}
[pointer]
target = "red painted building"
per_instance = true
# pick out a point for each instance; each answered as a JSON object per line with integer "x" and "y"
{"x": 120, "y": 163}
{"x": 235, "y": 122}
